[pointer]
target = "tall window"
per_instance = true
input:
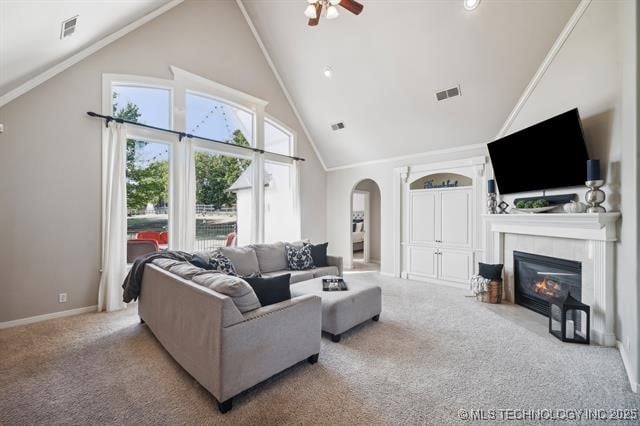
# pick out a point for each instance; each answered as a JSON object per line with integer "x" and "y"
{"x": 147, "y": 169}
{"x": 224, "y": 203}
{"x": 280, "y": 212}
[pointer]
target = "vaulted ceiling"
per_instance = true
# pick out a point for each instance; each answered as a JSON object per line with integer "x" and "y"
{"x": 30, "y": 32}
{"x": 389, "y": 61}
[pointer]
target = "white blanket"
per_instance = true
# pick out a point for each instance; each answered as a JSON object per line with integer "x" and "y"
{"x": 478, "y": 284}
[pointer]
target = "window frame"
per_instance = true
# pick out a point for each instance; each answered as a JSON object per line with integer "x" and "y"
{"x": 181, "y": 154}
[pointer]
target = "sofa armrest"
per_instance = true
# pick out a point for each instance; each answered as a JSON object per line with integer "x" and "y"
{"x": 268, "y": 342}
{"x": 335, "y": 261}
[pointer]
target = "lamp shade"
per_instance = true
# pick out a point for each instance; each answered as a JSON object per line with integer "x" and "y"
{"x": 310, "y": 12}
{"x": 332, "y": 12}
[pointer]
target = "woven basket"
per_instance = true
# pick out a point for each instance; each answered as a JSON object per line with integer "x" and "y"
{"x": 493, "y": 293}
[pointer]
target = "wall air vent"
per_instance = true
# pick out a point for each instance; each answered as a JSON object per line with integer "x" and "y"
{"x": 68, "y": 27}
{"x": 337, "y": 126}
{"x": 449, "y": 93}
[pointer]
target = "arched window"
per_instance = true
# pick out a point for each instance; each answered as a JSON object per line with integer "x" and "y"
{"x": 191, "y": 194}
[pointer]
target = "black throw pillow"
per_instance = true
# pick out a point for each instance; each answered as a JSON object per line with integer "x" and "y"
{"x": 271, "y": 290}
{"x": 490, "y": 272}
{"x": 200, "y": 262}
{"x": 319, "y": 254}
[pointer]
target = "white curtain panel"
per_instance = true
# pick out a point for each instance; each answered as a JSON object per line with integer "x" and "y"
{"x": 114, "y": 218}
{"x": 184, "y": 235}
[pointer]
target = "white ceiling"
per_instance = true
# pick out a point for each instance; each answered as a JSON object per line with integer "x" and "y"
{"x": 390, "y": 60}
{"x": 30, "y": 32}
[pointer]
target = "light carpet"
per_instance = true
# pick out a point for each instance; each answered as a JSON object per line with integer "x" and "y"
{"x": 433, "y": 352}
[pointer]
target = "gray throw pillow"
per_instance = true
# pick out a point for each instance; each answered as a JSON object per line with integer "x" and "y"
{"x": 271, "y": 257}
{"x": 236, "y": 288}
{"x": 244, "y": 260}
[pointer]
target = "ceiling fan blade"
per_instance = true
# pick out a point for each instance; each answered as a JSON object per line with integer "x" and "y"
{"x": 313, "y": 22}
{"x": 352, "y": 6}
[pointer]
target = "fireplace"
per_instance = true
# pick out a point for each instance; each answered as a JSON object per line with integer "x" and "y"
{"x": 540, "y": 280}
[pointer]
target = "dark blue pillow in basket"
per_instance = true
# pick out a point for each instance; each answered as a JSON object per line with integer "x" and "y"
{"x": 490, "y": 272}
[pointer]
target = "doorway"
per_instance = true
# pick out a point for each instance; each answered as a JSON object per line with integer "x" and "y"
{"x": 364, "y": 226}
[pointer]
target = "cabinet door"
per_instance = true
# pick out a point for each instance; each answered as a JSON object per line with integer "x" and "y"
{"x": 455, "y": 265}
{"x": 455, "y": 213}
{"x": 422, "y": 217}
{"x": 423, "y": 261}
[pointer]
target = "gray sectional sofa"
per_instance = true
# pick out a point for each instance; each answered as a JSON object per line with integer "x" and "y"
{"x": 270, "y": 260}
{"x": 226, "y": 349}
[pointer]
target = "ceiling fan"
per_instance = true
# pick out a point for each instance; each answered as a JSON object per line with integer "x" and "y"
{"x": 314, "y": 9}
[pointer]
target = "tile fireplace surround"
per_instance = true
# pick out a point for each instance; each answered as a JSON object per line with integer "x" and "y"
{"x": 588, "y": 238}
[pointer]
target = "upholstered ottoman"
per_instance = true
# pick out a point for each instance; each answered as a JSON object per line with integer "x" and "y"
{"x": 342, "y": 310}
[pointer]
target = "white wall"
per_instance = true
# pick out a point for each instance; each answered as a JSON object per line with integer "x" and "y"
{"x": 340, "y": 184}
{"x": 50, "y": 151}
{"x": 596, "y": 71}
{"x": 358, "y": 202}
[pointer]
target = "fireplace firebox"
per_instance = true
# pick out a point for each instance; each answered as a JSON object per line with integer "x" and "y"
{"x": 542, "y": 280}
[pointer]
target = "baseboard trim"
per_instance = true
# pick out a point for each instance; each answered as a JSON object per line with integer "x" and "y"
{"x": 627, "y": 366}
{"x": 45, "y": 317}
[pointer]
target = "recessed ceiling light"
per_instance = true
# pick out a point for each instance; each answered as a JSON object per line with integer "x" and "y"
{"x": 471, "y": 4}
{"x": 328, "y": 72}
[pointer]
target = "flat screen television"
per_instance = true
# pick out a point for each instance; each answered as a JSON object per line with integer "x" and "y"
{"x": 550, "y": 154}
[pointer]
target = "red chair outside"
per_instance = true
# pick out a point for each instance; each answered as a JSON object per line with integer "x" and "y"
{"x": 231, "y": 237}
{"x": 161, "y": 237}
{"x": 137, "y": 248}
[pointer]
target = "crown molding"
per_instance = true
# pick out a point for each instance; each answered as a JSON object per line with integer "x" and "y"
{"x": 411, "y": 156}
{"x": 272, "y": 65}
{"x": 546, "y": 63}
{"x": 87, "y": 51}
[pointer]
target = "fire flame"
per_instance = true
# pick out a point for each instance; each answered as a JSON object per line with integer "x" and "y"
{"x": 547, "y": 287}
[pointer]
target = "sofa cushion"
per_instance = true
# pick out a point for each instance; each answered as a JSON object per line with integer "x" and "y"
{"x": 319, "y": 254}
{"x": 299, "y": 258}
{"x": 271, "y": 257}
{"x": 244, "y": 260}
{"x": 325, "y": 271}
{"x": 296, "y": 276}
{"x": 271, "y": 290}
{"x": 184, "y": 270}
{"x": 236, "y": 288}
{"x": 165, "y": 263}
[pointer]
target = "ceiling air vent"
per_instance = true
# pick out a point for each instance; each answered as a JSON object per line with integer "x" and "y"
{"x": 337, "y": 126}
{"x": 449, "y": 93}
{"x": 68, "y": 27}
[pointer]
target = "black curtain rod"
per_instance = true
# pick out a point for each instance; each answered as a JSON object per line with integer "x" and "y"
{"x": 108, "y": 118}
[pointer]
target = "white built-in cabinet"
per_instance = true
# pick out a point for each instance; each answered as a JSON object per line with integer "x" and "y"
{"x": 440, "y": 229}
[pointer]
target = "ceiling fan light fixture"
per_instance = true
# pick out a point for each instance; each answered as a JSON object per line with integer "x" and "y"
{"x": 334, "y": 2}
{"x": 332, "y": 12}
{"x": 471, "y": 4}
{"x": 328, "y": 72}
{"x": 310, "y": 11}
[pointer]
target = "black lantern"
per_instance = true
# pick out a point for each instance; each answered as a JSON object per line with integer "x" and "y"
{"x": 569, "y": 320}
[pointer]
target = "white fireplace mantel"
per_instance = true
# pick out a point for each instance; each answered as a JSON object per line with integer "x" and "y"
{"x": 581, "y": 226}
{"x": 594, "y": 233}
